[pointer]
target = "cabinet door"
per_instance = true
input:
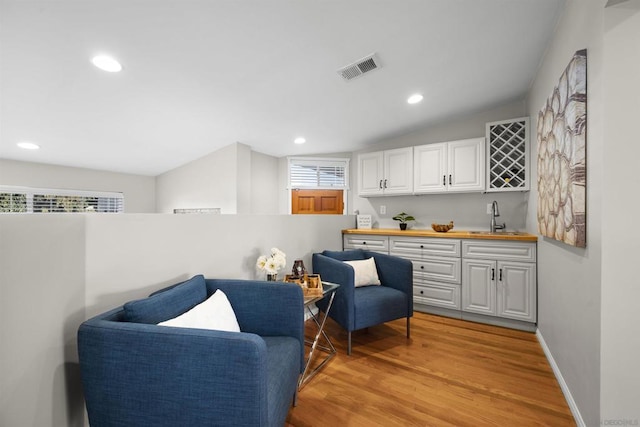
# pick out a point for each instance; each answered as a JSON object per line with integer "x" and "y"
{"x": 516, "y": 291}
{"x": 398, "y": 171}
{"x": 478, "y": 286}
{"x": 465, "y": 160}
{"x": 430, "y": 168}
{"x": 370, "y": 174}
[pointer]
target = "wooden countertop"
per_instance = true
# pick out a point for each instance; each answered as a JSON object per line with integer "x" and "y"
{"x": 451, "y": 234}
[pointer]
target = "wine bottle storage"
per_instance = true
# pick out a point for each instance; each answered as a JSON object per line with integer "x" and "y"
{"x": 508, "y": 155}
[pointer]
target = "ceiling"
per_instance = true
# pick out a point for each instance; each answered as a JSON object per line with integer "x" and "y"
{"x": 202, "y": 74}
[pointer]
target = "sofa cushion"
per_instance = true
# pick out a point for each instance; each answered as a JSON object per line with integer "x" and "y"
{"x": 365, "y": 272}
{"x": 215, "y": 313}
{"x": 168, "y": 304}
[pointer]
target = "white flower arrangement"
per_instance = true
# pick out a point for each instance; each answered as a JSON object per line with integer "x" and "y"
{"x": 272, "y": 263}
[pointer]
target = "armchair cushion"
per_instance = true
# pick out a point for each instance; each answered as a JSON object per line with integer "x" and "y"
{"x": 215, "y": 313}
{"x": 365, "y": 272}
{"x": 168, "y": 304}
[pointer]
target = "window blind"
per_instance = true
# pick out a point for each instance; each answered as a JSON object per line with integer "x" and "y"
{"x": 318, "y": 173}
{"x": 39, "y": 200}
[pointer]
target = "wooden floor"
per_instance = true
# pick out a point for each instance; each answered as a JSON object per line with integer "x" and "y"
{"x": 450, "y": 373}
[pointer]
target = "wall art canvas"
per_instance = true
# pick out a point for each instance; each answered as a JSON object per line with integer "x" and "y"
{"x": 562, "y": 167}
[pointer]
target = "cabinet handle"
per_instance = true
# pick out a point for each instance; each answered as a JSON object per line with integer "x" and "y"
{"x": 364, "y": 243}
{"x": 381, "y": 184}
{"x": 422, "y": 267}
{"x": 500, "y": 275}
{"x": 444, "y": 179}
{"x": 385, "y": 183}
{"x": 422, "y": 292}
{"x": 449, "y": 179}
{"x": 421, "y": 246}
{"x": 493, "y": 274}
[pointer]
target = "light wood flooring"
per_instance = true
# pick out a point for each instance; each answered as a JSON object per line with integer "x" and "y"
{"x": 450, "y": 373}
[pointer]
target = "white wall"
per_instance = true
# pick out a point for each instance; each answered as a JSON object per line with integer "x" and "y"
{"x": 569, "y": 279}
{"x": 42, "y": 300}
{"x": 620, "y": 346}
{"x": 57, "y": 270}
{"x": 139, "y": 191}
{"x": 468, "y": 211}
{"x": 234, "y": 178}
{"x": 208, "y": 182}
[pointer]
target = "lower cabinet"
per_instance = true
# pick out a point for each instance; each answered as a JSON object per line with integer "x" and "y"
{"x": 499, "y": 279}
{"x": 499, "y": 288}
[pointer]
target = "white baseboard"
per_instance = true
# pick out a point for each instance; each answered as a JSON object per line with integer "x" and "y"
{"x": 563, "y": 385}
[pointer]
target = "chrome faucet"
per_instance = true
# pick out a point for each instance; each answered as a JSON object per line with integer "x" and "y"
{"x": 494, "y": 213}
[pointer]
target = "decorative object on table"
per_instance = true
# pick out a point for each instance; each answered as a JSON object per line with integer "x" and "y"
{"x": 442, "y": 228}
{"x": 562, "y": 168}
{"x": 363, "y": 222}
{"x": 272, "y": 263}
{"x": 298, "y": 269}
{"x": 403, "y": 218}
{"x": 311, "y": 284}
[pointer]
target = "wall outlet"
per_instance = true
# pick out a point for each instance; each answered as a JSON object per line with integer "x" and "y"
{"x": 489, "y": 208}
{"x": 383, "y": 210}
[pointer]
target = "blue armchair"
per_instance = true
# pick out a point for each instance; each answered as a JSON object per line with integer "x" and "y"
{"x": 136, "y": 373}
{"x": 358, "y": 308}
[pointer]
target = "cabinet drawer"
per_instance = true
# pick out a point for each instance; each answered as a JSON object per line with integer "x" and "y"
{"x": 368, "y": 242}
{"x": 438, "y": 268}
{"x": 501, "y": 251}
{"x": 439, "y": 294}
{"x": 416, "y": 248}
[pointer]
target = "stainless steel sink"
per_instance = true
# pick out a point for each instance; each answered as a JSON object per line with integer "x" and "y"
{"x": 499, "y": 233}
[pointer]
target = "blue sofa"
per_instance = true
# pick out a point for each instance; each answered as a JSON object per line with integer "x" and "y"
{"x": 136, "y": 373}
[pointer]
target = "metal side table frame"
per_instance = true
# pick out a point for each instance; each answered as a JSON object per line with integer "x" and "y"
{"x": 328, "y": 289}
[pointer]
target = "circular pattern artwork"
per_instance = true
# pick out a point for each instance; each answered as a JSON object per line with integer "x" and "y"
{"x": 562, "y": 131}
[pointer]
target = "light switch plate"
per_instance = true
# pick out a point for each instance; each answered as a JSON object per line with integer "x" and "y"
{"x": 489, "y": 208}
{"x": 383, "y": 210}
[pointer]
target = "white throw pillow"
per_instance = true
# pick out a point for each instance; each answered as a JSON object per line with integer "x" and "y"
{"x": 365, "y": 272}
{"x": 214, "y": 313}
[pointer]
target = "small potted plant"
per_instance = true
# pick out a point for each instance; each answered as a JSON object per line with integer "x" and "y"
{"x": 403, "y": 218}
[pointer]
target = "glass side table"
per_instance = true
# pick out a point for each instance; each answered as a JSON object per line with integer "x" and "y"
{"x": 328, "y": 289}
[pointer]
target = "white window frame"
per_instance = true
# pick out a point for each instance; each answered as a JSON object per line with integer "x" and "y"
{"x": 327, "y": 161}
{"x": 29, "y": 192}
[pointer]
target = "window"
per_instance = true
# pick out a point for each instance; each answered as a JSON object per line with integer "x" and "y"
{"x": 41, "y": 200}
{"x": 318, "y": 173}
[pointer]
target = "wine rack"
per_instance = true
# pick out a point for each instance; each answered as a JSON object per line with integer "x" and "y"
{"x": 508, "y": 155}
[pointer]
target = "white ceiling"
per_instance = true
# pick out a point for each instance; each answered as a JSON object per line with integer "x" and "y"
{"x": 202, "y": 74}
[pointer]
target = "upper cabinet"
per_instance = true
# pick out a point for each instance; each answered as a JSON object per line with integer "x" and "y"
{"x": 508, "y": 155}
{"x": 384, "y": 173}
{"x": 455, "y": 166}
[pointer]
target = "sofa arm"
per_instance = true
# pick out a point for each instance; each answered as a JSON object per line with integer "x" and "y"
{"x": 265, "y": 308}
{"x": 138, "y": 374}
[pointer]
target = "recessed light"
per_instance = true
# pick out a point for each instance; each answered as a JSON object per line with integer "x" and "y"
{"x": 106, "y": 63}
{"x": 299, "y": 140}
{"x": 28, "y": 145}
{"x": 414, "y": 99}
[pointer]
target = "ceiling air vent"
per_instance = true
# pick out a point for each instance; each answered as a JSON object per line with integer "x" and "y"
{"x": 358, "y": 68}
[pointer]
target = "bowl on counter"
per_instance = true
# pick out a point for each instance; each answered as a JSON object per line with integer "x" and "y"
{"x": 442, "y": 228}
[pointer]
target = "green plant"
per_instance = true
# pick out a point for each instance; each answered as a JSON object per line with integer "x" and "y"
{"x": 403, "y": 218}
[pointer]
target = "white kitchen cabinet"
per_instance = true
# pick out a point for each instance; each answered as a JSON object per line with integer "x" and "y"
{"x": 508, "y": 155}
{"x": 387, "y": 172}
{"x": 374, "y": 243}
{"x": 496, "y": 282}
{"x": 436, "y": 269}
{"x": 455, "y": 166}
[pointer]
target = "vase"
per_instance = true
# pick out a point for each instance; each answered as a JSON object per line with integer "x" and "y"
{"x": 272, "y": 277}
{"x": 403, "y": 226}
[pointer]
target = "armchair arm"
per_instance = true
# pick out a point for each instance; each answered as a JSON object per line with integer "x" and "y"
{"x": 395, "y": 272}
{"x": 333, "y": 270}
{"x": 139, "y": 374}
